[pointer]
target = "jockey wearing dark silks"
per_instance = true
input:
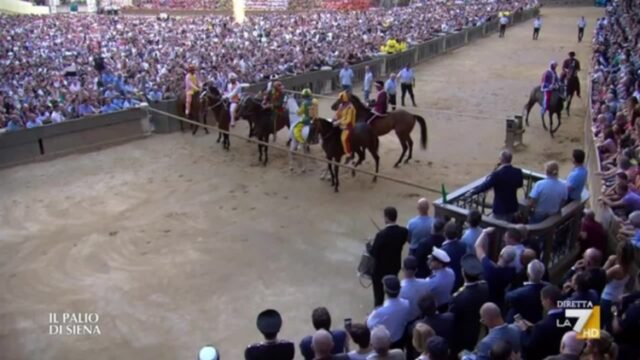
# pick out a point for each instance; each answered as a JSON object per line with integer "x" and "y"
{"x": 549, "y": 83}
{"x": 570, "y": 68}
{"x": 379, "y": 109}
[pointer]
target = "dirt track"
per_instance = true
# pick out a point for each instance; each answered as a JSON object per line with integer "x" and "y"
{"x": 176, "y": 244}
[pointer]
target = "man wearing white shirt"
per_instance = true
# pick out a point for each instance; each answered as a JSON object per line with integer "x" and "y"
{"x": 346, "y": 77}
{"x": 368, "y": 83}
{"x": 504, "y": 20}
{"x": 407, "y": 80}
{"x": 393, "y": 314}
{"x": 582, "y": 23}
{"x": 537, "y": 24}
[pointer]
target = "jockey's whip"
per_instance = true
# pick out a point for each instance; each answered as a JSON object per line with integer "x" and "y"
{"x": 374, "y": 223}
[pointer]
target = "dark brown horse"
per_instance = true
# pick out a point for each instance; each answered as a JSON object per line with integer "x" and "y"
{"x": 555, "y": 107}
{"x": 194, "y": 113}
{"x": 362, "y": 138}
{"x": 220, "y": 109}
{"x": 251, "y": 108}
{"x": 572, "y": 88}
{"x": 400, "y": 120}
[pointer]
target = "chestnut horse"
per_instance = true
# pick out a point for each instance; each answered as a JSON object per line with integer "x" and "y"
{"x": 399, "y": 120}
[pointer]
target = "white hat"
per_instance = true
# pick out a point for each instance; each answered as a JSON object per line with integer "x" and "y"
{"x": 233, "y": 76}
{"x": 440, "y": 255}
{"x": 208, "y": 353}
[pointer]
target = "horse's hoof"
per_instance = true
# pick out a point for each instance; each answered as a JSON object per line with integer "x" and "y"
{"x": 375, "y": 180}
{"x": 335, "y": 190}
{"x": 353, "y": 173}
{"x": 407, "y": 161}
{"x": 397, "y": 165}
{"x": 290, "y": 168}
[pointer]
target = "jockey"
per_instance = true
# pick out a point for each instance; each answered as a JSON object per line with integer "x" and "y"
{"x": 275, "y": 100}
{"x": 570, "y": 68}
{"x": 308, "y": 111}
{"x": 379, "y": 109}
{"x": 346, "y": 119}
{"x": 192, "y": 85}
{"x": 233, "y": 94}
{"x": 549, "y": 83}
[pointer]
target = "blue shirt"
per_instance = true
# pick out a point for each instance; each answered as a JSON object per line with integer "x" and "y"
{"x": 576, "y": 180}
{"x": 346, "y": 77}
{"x": 550, "y": 194}
{"x": 406, "y": 76}
{"x": 505, "y": 332}
{"x": 419, "y": 229}
{"x": 85, "y": 109}
{"x": 440, "y": 284}
{"x": 394, "y": 315}
{"x": 390, "y": 86}
{"x": 498, "y": 278}
{"x": 470, "y": 237}
{"x": 109, "y": 108}
{"x": 635, "y": 240}
{"x": 368, "y": 81}
{"x": 412, "y": 290}
{"x": 339, "y": 340}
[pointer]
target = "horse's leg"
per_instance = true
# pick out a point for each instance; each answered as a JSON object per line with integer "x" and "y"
{"x": 194, "y": 127}
{"x": 336, "y": 170}
{"x": 559, "y": 115}
{"x": 569, "y": 98}
{"x": 527, "y": 109}
{"x": 204, "y": 121}
{"x": 292, "y": 148}
{"x": 410, "y": 143}
{"x": 550, "y": 123}
{"x": 403, "y": 143}
{"x": 227, "y": 143}
{"x": 361, "y": 157}
{"x": 260, "y": 150}
{"x": 266, "y": 151}
{"x": 376, "y": 158}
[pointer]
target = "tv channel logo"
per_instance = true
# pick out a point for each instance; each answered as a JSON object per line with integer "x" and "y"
{"x": 586, "y": 315}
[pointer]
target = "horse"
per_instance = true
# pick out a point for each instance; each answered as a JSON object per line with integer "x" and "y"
{"x": 194, "y": 112}
{"x": 572, "y": 88}
{"x": 556, "y": 106}
{"x": 251, "y": 108}
{"x": 362, "y": 138}
{"x": 220, "y": 108}
{"x": 399, "y": 120}
{"x": 308, "y": 133}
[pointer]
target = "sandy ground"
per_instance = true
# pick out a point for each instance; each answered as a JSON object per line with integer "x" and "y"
{"x": 176, "y": 244}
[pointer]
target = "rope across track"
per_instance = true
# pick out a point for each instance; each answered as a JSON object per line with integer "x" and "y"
{"x": 308, "y": 156}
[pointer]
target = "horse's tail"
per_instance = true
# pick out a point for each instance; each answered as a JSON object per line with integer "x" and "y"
{"x": 424, "y": 137}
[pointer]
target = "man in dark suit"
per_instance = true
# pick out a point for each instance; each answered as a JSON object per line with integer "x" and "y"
{"x": 505, "y": 181}
{"x": 466, "y": 304}
{"x": 526, "y": 299}
{"x": 543, "y": 339}
{"x": 441, "y": 323}
{"x": 591, "y": 263}
{"x": 269, "y": 323}
{"x": 386, "y": 251}
{"x": 455, "y": 248}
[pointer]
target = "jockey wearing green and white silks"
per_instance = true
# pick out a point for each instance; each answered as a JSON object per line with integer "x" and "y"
{"x": 308, "y": 111}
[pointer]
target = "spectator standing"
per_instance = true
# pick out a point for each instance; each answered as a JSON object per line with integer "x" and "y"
{"x": 590, "y": 263}
{"x": 367, "y": 84}
{"x": 537, "y": 24}
{"x": 472, "y": 233}
{"x": 391, "y": 88}
{"x": 514, "y": 237}
{"x": 455, "y": 249}
{"x": 525, "y": 300}
{"x": 500, "y": 275}
{"x": 505, "y": 181}
{"x": 420, "y": 226}
{"x": 321, "y": 320}
{"x": 394, "y": 314}
{"x": 582, "y": 23}
{"x": 504, "y": 20}
{"x": 570, "y": 347}
{"x": 381, "y": 343}
{"x": 603, "y": 348}
{"x": 421, "y": 335}
{"x": 440, "y": 283}
{"x": 411, "y": 288}
{"x": 577, "y": 177}
{"x": 386, "y": 250}
{"x": 580, "y": 289}
{"x": 466, "y": 304}
{"x": 269, "y": 323}
{"x": 626, "y": 327}
{"x": 592, "y": 233}
{"x": 437, "y": 348}
{"x": 547, "y": 196}
{"x": 629, "y": 201}
{"x": 425, "y": 248}
{"x": 442, "y": 323}
{"x": 491, "y": 317}
{"x": 407, "y": 82}
{"x": 619, "y": 268}
{"x": 322, "y": 344}
{"x": 361, "y": 336}
{"x": 346, "y": 77}
{"x": 543, "y": 339}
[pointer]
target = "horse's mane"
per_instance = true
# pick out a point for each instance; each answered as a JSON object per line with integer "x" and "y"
{"x": 357, "y": 102}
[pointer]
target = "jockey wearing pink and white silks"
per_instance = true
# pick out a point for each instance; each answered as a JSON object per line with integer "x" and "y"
{"x": 191, "y": 85}
{"x": 549, "y": 83}
{"x": 233, "y": 94}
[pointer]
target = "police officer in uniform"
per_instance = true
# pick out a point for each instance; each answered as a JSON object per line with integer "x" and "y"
{"x": 269, "y": 323}
{"x": 466, "y": 304}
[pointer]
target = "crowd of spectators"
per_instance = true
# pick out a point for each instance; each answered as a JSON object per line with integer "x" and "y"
{"x": 468, "y": 306}
{"x": 615, "y": 83}
{"x": 114, "y": 62}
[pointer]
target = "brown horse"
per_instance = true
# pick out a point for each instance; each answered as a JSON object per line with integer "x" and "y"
{"x": 251, "y": 108}
{"x": 194, "y": 113}
{"x": 362, "y": 138}
{"x": 555, "y": 107}
{"x": 400, "y": 120}
{"x": 220, "y": 108}
{"x": 572, "y": 88}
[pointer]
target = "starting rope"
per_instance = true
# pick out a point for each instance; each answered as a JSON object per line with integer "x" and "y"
{"x": 308, "y": 156}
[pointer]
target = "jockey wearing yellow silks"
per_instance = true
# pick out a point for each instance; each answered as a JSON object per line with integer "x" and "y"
{"x": 308, "y": 111}
{"x": 393, "y": 46}
{"x": 346, "y": 119}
